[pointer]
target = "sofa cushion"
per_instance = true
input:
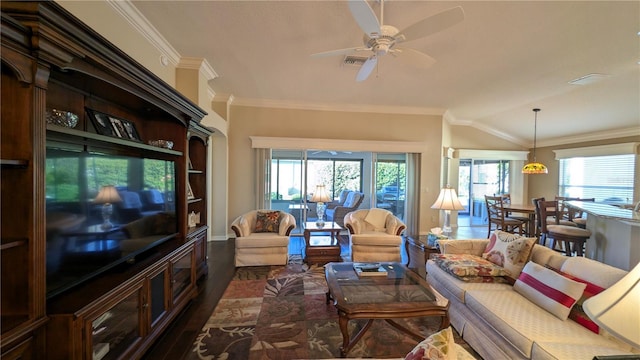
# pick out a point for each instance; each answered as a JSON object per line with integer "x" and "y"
{"x": 377, "y": 218}
{"x": 262, "y": 240}
{"x": 554, "y": 350}
{"x": 598, "y": 273}
{"x": 455, "y": 286}
{"x": 464, "y": 265}
{"x": 267, "y": 221}
{"x": 509, "y": 251}
{"x": 548, "y": 289}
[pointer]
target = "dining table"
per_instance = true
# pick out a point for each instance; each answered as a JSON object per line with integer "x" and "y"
{"x": 529, "y": 210}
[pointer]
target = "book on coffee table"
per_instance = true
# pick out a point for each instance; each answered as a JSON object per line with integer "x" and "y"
{"x": 369, "y": 269}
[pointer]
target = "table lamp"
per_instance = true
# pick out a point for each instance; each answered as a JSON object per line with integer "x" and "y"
{"x": 447, "y": 201}
{"x": 617, "y": 309}
{"x": 107, "y": 195}
{"x": 320, "y": 196}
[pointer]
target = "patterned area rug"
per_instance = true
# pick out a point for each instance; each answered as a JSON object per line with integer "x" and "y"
{"x": 280, "y": 312}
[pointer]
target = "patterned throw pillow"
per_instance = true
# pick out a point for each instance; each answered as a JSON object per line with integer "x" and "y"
{"x": 468, "y": 267}
{"x": 548, "y": 289}
{"x": 439, "y": 346}
{"x": 268, "y": 221}
{"x": 511, "y": 251}
{"x": 577, "y": 313}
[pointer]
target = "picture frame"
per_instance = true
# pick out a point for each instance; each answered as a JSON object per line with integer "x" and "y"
{"x": 190, "y": 195}
{"x": 114, "y": 126}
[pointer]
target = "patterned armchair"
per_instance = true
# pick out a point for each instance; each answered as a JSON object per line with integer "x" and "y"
{"x": 337, "y": 210}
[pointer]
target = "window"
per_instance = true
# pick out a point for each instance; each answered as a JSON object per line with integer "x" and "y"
{"x": 605, "y": 178}
{"x": 335, "y": 174}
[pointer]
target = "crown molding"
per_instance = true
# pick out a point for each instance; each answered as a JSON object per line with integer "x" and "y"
{"x": 200, "y": 64}
{"x": 301, "y": 105}
{"x": 601, "y": 135}
{"x": 131, "y": 14}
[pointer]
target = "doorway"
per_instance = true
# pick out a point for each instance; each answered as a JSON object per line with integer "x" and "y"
{"x": 476, "y": 179}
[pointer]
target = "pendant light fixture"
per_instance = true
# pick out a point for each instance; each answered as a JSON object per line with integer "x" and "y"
{"x": 535, "y": 167}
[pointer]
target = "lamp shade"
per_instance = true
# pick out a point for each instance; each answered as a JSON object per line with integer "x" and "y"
{"x": 447, "y": 200}
{"x": 617, "y": 309}
{"x": 535, "y": 168}
{"x": 320, "y": 195}
{"x": 108, "y": 194}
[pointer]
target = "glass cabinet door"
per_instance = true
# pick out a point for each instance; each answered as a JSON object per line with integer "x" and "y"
{"x": 158, "y": 304}
{"x": 181, "y": 278}
{"x": 114, "y": 331}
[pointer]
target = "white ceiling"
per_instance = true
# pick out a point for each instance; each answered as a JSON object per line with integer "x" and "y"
{"x": 504, "y": 59}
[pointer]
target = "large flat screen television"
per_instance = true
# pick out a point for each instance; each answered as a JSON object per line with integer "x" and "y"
{"x": 103, "y": 210}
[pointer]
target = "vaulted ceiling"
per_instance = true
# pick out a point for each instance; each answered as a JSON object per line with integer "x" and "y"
{"x": 491, "y": 69}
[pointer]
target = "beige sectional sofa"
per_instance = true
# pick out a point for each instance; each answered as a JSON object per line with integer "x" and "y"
{"x": 499, "y": 323}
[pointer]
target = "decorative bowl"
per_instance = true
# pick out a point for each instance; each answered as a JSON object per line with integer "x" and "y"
{"x": 62, "y": 118}
{"x": 162, "y": 143}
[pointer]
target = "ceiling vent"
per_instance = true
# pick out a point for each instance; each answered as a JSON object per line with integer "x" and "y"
{"x": 352, "y": 60}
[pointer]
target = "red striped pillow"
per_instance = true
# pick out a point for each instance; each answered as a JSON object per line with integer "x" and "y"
{"x": 548, "y": 289}
{"x": 577, "y": 314}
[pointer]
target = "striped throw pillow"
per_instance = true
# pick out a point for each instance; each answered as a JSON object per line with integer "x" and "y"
{"x": 548, "y": 289}
{"x": 577, "y": 313}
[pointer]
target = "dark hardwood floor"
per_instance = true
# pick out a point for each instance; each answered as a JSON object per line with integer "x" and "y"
{"x": 177, "y": 340}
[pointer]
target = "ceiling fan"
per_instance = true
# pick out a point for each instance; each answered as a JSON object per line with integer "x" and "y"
{"x": 382, "y": 39}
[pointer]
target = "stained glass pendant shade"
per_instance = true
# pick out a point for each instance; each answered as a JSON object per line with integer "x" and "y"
{"x": 535, "y": 167}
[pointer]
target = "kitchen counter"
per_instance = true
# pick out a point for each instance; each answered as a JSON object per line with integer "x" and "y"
{"x": 615, "y": 234}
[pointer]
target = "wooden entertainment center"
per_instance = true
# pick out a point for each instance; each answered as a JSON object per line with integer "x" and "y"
{"x": 50, "y": 60}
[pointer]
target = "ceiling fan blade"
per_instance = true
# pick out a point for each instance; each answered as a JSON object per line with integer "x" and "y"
{"x": 339, "y": 52}
{"x": 414, "y": 58}
{"x": 367, "y": 68}
{"x": 365, "y": 17}
{"x": 432, "y": 24}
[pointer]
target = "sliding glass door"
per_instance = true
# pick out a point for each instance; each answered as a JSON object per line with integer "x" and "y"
{"x": 294, "y": 174}
{"x": 288, "y": 184}
{"x": 391, "y": 183}
{"x": 476, "y": 179}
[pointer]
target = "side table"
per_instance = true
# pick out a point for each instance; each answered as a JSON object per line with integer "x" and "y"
{"x": 322, "y": 249}
{"x": 418, "y": 252}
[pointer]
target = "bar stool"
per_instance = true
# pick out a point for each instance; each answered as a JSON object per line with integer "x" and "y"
{"x": 567, "y": 235}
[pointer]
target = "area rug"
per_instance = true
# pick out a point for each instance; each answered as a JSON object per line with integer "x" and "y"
{"x": 280, "y": 312}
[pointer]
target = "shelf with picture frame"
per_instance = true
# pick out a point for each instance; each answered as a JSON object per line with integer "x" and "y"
{"x": 198, "y": 137}
{"x": 121, "y": 106}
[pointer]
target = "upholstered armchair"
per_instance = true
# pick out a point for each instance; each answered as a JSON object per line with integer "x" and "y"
{"x": 374, "y": 235}
{"x": 337, "y": 210}
{"x": 262, "y": 237}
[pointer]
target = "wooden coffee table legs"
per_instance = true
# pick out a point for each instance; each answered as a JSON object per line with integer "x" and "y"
{"x": 348, "y": 344}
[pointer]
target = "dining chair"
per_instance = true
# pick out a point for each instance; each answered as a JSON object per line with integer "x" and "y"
{"x": 498, "y": 218}
{"x": 506, "y": 199}
{"x": 572, "y": 238}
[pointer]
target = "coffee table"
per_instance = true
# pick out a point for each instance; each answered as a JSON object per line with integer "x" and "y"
{"x": 322, "y": 249}
{"x": 398, "y": 295}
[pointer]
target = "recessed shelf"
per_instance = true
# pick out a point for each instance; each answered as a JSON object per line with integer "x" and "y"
{"x": 12, "y": 163}
{"x": 84, "y": 137}
{"x": 12, "y": 243}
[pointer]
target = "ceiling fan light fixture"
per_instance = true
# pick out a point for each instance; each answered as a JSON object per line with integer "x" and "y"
{"x": 535, "y": 167}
